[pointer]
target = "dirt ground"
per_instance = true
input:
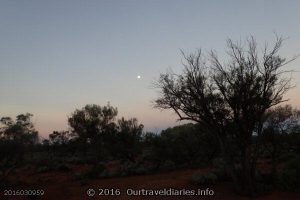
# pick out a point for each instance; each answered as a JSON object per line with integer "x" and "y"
{"x": 61, "y": 186}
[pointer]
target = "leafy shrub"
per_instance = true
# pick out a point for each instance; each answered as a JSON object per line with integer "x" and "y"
{"x": 286, "y": 157}
{"x": 221, "y": 174}
{"x": 188, "y": 143}
{"x": 262, "y": 187}
{"x": 263, "y": 182}
{"x": 62, "y": 167}
{"x": 219, "y": 163}
{"x": 4, "y": 183}
{"x": 11, "y": 157}
{"x": 78, "y": 159}
{"x": 128, "y": 168}
{"x": 220, "y": 169}
{"x": 264, "y": 177}
{"x": 95, "y": 171}
{"x": 43, "y": 169}
{"x": 131, "y": 168}
{"x": 105, "y": 174}
{"x": 168, "y": 165}
{"x": 108, "y": 174}
{"x": 45, "y": 162}
{"x": 81, "y": 177}
{"x": 289, "y": 178}
{"x": 204, "y": 179}
{"x": 141, "y": 170}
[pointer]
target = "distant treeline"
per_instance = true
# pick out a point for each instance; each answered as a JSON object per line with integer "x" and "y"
{"x": 97, "y": 138}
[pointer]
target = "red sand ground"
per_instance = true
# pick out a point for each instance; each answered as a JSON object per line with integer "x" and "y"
{"x": 61, "y": 186}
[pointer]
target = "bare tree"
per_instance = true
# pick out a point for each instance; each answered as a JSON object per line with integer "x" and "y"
{"x": 229, "y": 99}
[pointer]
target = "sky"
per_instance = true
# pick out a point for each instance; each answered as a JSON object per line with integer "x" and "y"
{"x": 57, "y": 56}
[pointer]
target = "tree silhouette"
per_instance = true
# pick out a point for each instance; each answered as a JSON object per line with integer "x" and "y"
{"x": 15, "y": 137}
{"x": 129, "y": 138}
{"x": 21, "y": 130}
{"x": 280, "y": 122}
{"x": 60, "y": 137}
{"x": 229, "y": 99}
{"x": 92, "y": 121}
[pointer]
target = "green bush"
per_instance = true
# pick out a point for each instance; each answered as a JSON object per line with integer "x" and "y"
{"x": 263, "y": 182}
{"x": 219, "y": 163}
{"x": 141, "y": 170}
{"x": 96, "y": 171}
{"x": 4, "y": 183}
{"x": 75, "y": 160}
{"x": 62, "y": 167}
{"x": 289, "y": 178}
{"x": 168, "y": 165}
{"x": 109, "y": 174}
{"x": 221, "y": 174}
{"x": 79, "y": 159}
{"x": 43, "y": 169}
{"x": 81, "y": 177}
{"x": 52, "y": 166}
{"x": 262, "y": 187}
{"x": 128, "y": 168}
{"x": 220, "y": 169}
{"x": 204, "y": 179}
{"x": 286, "y": 157}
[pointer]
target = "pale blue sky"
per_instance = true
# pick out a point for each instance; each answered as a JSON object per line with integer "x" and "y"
{"x": 58, "y": 55}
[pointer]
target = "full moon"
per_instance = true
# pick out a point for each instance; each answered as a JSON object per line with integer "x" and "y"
{"x": 138, "y": 77}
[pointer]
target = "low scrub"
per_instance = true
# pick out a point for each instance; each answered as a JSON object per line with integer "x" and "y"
{"x": 289, "y": 178}
{"x": 204, "y": 179}
{"x": 220, "y": 169}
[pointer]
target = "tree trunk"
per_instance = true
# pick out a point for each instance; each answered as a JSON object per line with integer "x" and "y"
{"x": 229, "y": 165}
{"x": 241, "y": 169}
{"x": 274, "y": 163}
{"x": 248, "y": 172}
